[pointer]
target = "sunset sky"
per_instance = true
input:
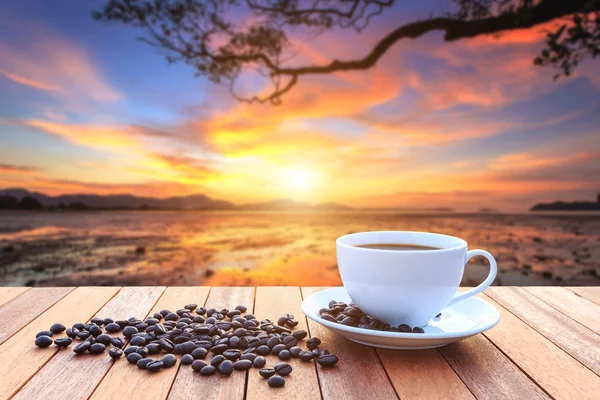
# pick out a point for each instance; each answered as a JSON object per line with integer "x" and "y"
{"x": 85, "y": 107}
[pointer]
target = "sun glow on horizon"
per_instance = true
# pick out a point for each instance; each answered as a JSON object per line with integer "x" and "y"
{"x": 300, "y": 178}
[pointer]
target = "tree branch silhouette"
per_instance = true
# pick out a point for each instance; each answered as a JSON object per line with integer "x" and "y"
{"x": 205, "y": 34}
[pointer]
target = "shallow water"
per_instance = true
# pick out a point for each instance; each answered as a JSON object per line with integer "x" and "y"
{"x": 274, "y": 248}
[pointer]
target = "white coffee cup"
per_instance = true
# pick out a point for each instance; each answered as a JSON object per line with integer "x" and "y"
{"x": 406, "y": 286}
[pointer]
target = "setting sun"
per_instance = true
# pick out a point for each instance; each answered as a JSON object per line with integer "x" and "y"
{"x": 300, "y": 178}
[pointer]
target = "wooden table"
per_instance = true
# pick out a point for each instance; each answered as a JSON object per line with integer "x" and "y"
{"x": 547, "y": 345}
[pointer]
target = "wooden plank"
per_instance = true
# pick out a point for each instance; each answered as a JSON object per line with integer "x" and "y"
{"x": 21, "y": 359}
{"x": 21, "y": 310}
{"x": 359, "y": 372}
{"x": 587, "y": 292}
{"x": 9, "y": 293}
{"x": 272, "y": 302}
{"x": 69, "y": 376}
{"x": 541, "y": 359}
{"x": 411, "y": 374}
{"x": 124, "y": 380}
{"x": 188, "y": 384}
{"x": 581, "y": 310}
{"x": 487, "y": 372}
{"x": 575, "y": 339}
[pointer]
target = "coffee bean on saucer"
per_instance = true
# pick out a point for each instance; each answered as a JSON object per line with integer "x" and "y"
{"x": 168, "y": 360}
{"x": 404, "y": 328}
{"x": 115, "y": 353}
{"x": 43, "y": 341}
{"x": 327, "y": 317}
{"x": 416, "y": 329}
{"x": 328, "y": 360}
{"x": 57, "y": 328}
{"x": 266, "y": 372}
{"x": 276, "y": 381}
{"x": 226, "y": 368}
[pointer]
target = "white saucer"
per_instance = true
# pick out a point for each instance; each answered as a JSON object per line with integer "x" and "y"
{"x": 457, "y": 322}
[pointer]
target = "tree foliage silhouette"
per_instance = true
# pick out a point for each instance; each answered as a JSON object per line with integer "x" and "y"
{"x": 207, "y": 34}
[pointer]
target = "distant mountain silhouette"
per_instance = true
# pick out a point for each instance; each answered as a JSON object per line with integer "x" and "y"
{"x": 127, "y": 201}
{"x": 568, "y": 206}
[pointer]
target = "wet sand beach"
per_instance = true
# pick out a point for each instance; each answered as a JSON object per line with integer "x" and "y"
{"x": 274, "y": 248}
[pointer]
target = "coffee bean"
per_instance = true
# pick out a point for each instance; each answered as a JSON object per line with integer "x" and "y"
{"x": 299, "y": 335}
{"x": 276, "y": 381}
{"x": 197, "y": 365}
{"x": 95, "y": 330}
{"x": 168, "y": 360}
{"x": 404, "y": 328}
{"x": 259, "y": 362}
{"x": 316, "y": 352}
{"x": 112, "y": 328}
{"x": 266, "y": 372}
{"x": 216, "y": 360}
{"x": 171, "y": 317}
{"x": 115, "y": 353}
{"x": 97, "y": 321}
{"x": 44, "y": 333}
{"x": 133, "y": 358}
{"x": 187, "y": 359}
{"x": 263, "y": 350}
{"x": 348, "y": 321}
{"x": 191, "y": 306}
{"x": 104, "y": 339}
{"x": 226, "y": 368}
{"x": 43, "y": 341}
{"x": 306, "y": 355}
{"x": 154, "y": 348}
{"x": 282, "y": 320}
{"x": 278, "y": 348}
{"x": 199, "y": 353}
{"x": 241, "y": 308}
{"x": 155, "y": 366}
{"x": 138, "y": 341}
{"x": 117, "y": 342}
{"x": 63, "y": 342}
{"x": 131, "y": 349}
{"x": 416, "y": 329}
{"x": 232, "y": 354}
{"x": 295, "y": 351}
{"x": 57, "y": 328}
{"x": 385, "y": 327}
{"x": 82, "y": 347}
{"x": 284, "y": 355}
{"x": 71, "y": 332}
{"x": 208, "y": 370}
{"x": 283, "y": 369}
{"x": 219, "y": 349}
{"x": 129, "y": 331}
{"x": 328, "y": 360}
{"x": 201, "y": 311}
{"x": 166, "y": 345}
{"x": 313, "y": 343}
{"x": 83, "y": 335}
{"x": 143, "y": 363}
{"x": 242, "y": 365}
{"x": 97, "y": 348}
{"x": 143, "y": 351}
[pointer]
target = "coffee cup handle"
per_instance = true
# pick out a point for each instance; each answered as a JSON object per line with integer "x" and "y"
{"x": 483, "y": 285}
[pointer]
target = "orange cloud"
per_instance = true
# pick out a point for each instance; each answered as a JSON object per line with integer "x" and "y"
{"x": 520, "y": 161}
{"x": 17, "y": 170}
{"x": 29, "y": 82}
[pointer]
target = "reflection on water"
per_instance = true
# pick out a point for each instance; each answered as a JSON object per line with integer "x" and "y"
{"x": 274, "y": 248}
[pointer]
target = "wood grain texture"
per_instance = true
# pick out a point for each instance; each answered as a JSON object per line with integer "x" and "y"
{"x": 9, "y": 293}
{"x": 189, "y": 384}
{"x": 21, "y": 359}
{"x": 271, "y": 303}
{"x": 541, "y": 359}
{"x": 124, "y": 380}
{"x": 359, "y": 374}
{"x": 590, "y": 293}
{"x": 411, "y": 373}
{"x": 487, "y": 372}
{"x": 21, "y": 310}
{"x": 576, "y": 307}
{"x": 577, "y": 340}
{"x": 71, "y": 376}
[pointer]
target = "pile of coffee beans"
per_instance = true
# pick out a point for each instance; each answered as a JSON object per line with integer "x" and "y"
{"x": 350, "y": 315}
{"x": 236, "y": 341}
